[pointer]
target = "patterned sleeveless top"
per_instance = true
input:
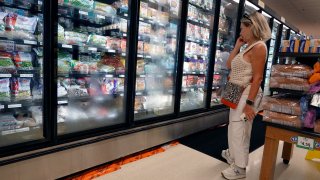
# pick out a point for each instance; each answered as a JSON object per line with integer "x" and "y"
{"x": 241, "y": 70}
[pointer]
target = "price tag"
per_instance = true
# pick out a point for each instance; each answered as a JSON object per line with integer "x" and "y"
{"x": 62, "y": 102}
{"x": 9, "y": 45}
{"x": 109, "y": 75}
{"x": 83, "y": 13}
{"x": 122, "y": 94}
{"x": 124, "y": 34}
{"x": 101, "y": 17}
{"x": 111, "y": 51}
{"x": 192, "y": 90}
{"x": 30, "y": 42}
{"x": 26, "y": 75}
{"x": 148, "y": 57}
{"x": 125, "y": 15}
{"x": 136, "y": 112}
{"x": 141, "y": 19}
{"x": 93, "y": 49}
{"x": 40, "y": 2}
{"x": 14, "y": 105}
{"x": 123, "y": 54}
{"x": 140, "y": 56}
{"x": 67, "y": 46}
{"x": 142, "y": 76}
{"x": 121, "y": 76}
{"x": 138, "y": 93}
{"x": 193, "y": 72}
{"x": 306, "y": 143}
{"x": 5, "y": 75}
{"x": 1, "y": 106}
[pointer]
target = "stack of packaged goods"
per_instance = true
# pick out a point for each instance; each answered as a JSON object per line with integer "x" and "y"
{"x": 282, "y": 109}
{"x": 300, "y": 46}
{"x": 285, "y": 109}
{"x": 291, "y": 77}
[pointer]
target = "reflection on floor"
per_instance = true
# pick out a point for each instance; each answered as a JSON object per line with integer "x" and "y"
{"x": 183, "y": 163}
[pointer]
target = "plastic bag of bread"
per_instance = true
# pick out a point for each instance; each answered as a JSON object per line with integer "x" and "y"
{"x": 280, "y": 118}
{"x": 292, "y": 83}
{"x": 292, "y": 70}
{"x": 282, "y": 104}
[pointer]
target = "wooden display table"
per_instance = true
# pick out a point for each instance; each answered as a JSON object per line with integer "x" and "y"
{"x": 275, "y": 133}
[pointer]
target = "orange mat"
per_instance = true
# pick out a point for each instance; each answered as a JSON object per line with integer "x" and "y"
{"x": 116, "y": 165}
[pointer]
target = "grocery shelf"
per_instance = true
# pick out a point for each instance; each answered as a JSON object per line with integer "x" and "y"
{"x": 100, "y": 74}
{"x": 154, "y": 5}
{"x": 90, "y": 48}
{"x": 150, "y": 91}
{"x": 190, "y": 89}
{"x": 13, "y": 103}
{"x": 33, "y": 8}
{"x": 22, "y": 41}
{"x": 152, "y": 22}
{"x": 88, "y": 22}
{"x": 199, "y": 23}
{"x": 280, "y": 90}
{"x": 207, "y": 10}
{"x": 198, "y": 41}
{"x": 289, "y": 54}
{"x": 195, "y": 73}
{"x": 116, "y": 33}
{"x": 65, "y": 100}
{"x": 199, "y": 56}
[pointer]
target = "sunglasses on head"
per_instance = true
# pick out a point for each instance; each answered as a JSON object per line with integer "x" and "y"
{"x": 246, "y": 16}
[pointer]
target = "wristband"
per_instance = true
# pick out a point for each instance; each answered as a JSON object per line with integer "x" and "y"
{"x": 249, "y": 102}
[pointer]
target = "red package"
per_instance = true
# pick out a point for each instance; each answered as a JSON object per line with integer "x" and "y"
{"x": 123, "y": 45}
{"x": 10, "y": 21}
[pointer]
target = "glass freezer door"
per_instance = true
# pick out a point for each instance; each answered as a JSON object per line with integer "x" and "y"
{"x": 156, "y": 58}
{"x": 92, "y": 38}
{"x": 225, "y": 43}
{"x": 21, "y": 71}
{"x": 270, "y": 57}
{"x": 197, "y": 45}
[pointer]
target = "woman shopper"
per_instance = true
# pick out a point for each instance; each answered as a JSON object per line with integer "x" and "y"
{"x": 247, "y": 68}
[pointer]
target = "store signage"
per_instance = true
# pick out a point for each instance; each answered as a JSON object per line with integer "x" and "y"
{"x": 306, "y": 143}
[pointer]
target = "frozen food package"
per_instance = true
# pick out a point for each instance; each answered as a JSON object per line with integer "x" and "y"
{"x": 114, "y": 62}
{"x": 282, "y": 104}
{"x": 60, "y": 34}
{"x": 108, "y": 86}
{"x": 197, "y": 31}
{"x": 281, "y": 118}
{"x": 291, "y": 70}
{"x": 104, "y": 9}
{"x": 36, "y": 112}
{"x": 28, "y": 24}
{"x": 22, "y": 48}
{"x": 2, "y": 23}
{"x": 174, "y": 6}
{"x": 20, "y": 88}
{"x": 65, "y": 62}
{"x": 292, "y": 83}
{"x": 140, "y": 84}
{"x": 143, "y": 9}
{"x": 4, "y": 89}
{"x": 97, "y": 40}
{"x": 81, "y": 4}
{"x": 140, "y": 66}
{"x": 81, "y": 67}
{"x": 8, "y": 122}
{"x": 123, "y": 45}
{"x": 6, "y": 63}
{"x": 62, "y": 91}
{"x": 37, "y": 89}
{"x": 77, "y": 91}
{"x": 120, "y": 85}
{"x": 75, "y": 38}
{"x": 23, "y": 61}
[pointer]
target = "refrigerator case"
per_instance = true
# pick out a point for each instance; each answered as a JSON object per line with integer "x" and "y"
{"x": 198, "y": 42}
{"x": 274, "y": 32}
{"x": 92, "y": 38}
{"x": 21, "y": 75}
{"x": 156, "y": 58}
{"x": 225, "y": 42}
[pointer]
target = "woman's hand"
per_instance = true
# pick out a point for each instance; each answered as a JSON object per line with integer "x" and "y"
{"x": 249, "y": 112}
{"x": 240, "y": 42}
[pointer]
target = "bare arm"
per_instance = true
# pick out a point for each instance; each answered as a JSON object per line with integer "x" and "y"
{"x": 258, "y": 62}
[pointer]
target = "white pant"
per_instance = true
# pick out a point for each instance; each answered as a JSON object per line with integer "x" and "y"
{"x": 239, "y": 132}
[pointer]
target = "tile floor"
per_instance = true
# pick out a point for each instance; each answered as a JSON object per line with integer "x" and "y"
{"x": 183, "y": 163}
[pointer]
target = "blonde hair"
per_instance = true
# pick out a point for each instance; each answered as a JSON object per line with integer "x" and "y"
{"x": 259, "y": 26}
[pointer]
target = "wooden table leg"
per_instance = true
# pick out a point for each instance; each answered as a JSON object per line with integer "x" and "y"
{"x": 269, "y": 158}
{"x": 287, "y": 152}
